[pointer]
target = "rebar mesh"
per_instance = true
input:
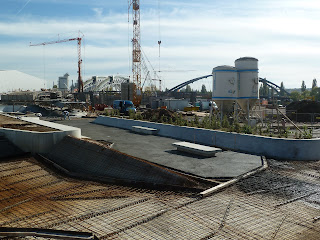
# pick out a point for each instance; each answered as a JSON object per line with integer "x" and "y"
{"x": 280, "y": 203}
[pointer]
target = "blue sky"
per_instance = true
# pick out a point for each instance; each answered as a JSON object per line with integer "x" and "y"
{"x": 196, "y": 36}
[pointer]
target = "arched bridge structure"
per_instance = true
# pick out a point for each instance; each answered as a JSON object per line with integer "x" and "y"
{"x": 176, "y": 88}
{"x": 102, "y": 83}
{"x": 262, "y": 80}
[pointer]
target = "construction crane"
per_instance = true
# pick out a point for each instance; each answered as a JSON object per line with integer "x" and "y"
{"x": 78, "y": 39}
{"x": 136, "y": 50}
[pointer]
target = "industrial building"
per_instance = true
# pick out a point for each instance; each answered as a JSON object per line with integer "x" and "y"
{"x": 63, "y": 83}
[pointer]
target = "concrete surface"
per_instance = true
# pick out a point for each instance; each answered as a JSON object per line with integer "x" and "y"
{"x": 271, "y": 147}
{"x": 196, "y": 149}
{"x": 160, "y": 150}
{"x": 39, "y": 142}
{"x": 92, "y": 161}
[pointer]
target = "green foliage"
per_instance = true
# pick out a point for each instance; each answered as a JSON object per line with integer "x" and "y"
{"x": 303, "y": 87}
{"x": 215, "y": 123}
{"x": 138, "y": 116}
{"x": 196, "y": 120}
{"x": 295, "y": 95}
{"x": 132, "y": 114}
{"x": 225, "y": 123}
{"x": 247, "y": 129}
{"x": 206, "y": 123}
{"x": 203, "y": 88}
{"x": 307, "y": 133}
{"x": 281, "y": 89}
{"x": 305, "y": 94}
{"x": 286, "y": 132}
{"x": 314, "y": 83}
{"x": 188, "y": 88}
{"x": 237, "y": 127}
{"x": 315, "y": 93}
{"x": 153, "y": 118}
{"x": 114, "y": 112}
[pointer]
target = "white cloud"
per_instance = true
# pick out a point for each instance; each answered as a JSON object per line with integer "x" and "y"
{"x": 195, "y": 36}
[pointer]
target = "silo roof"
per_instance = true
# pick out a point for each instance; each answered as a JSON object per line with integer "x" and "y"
{"x": 224, "y": 67}
{"x": 247, "y": 58}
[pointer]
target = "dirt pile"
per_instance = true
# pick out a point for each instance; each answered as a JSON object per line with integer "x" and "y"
{"x": 304, "y": 106}
{"x": 304, "y": 111}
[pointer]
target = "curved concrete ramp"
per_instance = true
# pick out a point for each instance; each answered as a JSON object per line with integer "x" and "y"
{"x": 8, "y": 149}
{"x": 93, "y": 160}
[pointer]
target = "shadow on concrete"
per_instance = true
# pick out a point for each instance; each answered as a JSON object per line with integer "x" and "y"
{"x": 176, "y": 152}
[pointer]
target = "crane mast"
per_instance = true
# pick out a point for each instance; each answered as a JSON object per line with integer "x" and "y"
{"x": 136, "y": 51}
{"x": 78, "y": 39}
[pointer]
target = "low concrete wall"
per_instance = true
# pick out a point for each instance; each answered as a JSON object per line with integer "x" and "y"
{"x": 286, "y": 149}
{"x": 39, "y": 142}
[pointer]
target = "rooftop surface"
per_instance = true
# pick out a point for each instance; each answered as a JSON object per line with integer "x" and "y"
{"x": 160, "y": 150}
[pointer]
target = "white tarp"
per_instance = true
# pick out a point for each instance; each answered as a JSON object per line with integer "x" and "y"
{"x": 12, "y": 80}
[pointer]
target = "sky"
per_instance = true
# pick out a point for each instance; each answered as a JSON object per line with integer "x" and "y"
{"x": 196, "y": 36}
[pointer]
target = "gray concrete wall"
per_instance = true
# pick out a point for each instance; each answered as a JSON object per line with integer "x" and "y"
{"x": 39, "y": 142}
{"x": 287, "y": 149}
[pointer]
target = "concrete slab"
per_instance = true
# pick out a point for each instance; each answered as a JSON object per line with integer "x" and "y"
{"x": 144, "y": 130}
{"x": 160, "y": 150}
{"x": 197, "y": 149}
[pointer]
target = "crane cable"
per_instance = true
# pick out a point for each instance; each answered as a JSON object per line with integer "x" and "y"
{"x": 129, "y": 55}
{"x": 159, "y": 33}
{"x": 159, "y": 42}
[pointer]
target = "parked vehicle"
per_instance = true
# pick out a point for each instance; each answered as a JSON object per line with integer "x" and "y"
{"x": 124, "y": 106}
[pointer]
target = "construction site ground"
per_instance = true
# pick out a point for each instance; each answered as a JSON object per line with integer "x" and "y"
{"x": 159, "y": 150}
{"x": 281, "y": 202}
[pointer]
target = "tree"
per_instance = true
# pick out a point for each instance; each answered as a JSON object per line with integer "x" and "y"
{"x": 305, "y": 94}
{"x": 314, "y": 93}
{"x": 261, "y": 90}
{"x": 264, "y": 90}
{"x": 188, "y": 88}
{"x": 281, "y": 89}
{"x": 295, "y": 95}
{"x": 314, "y": 83}
{"x": 303, "y": 87}
{"x": 203, "y": 89}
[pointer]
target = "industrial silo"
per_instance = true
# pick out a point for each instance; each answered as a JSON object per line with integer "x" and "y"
{"x": 225, "y": 90}
{"x": 248, "y": 91}
{"x": 63, "y": 83}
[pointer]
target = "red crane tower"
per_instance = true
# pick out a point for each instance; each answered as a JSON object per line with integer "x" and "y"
{"x": 136, "y": 50}
{"x": 78, "y": 39}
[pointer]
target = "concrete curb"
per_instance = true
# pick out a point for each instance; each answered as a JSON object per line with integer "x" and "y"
{"x": 39, "y": 142}
{"x": 284, "y": 149}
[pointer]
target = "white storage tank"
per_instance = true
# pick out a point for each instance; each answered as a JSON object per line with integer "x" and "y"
{"x": 248, "y": 82}
{"x": 225, "y": 87}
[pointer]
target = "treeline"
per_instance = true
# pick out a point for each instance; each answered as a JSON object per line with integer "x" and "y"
{"x": 303, "y": 94}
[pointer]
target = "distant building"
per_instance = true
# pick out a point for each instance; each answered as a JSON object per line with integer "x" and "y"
{"x": 63, "y": 83}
